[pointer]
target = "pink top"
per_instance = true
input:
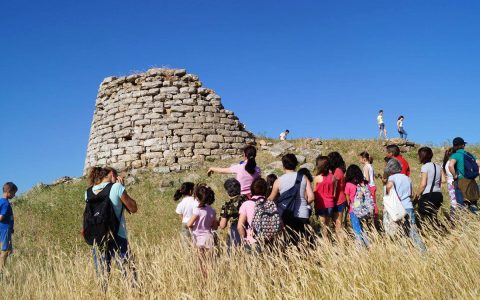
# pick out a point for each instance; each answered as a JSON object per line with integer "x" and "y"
{"x": 340, "y": 199}
{"x": 244, "y": 177}
{"x": 202, "y": 228}
{"x": 350, "y": 191}
{"x": 324, "y": 193}
{"x": 248, "y": 209}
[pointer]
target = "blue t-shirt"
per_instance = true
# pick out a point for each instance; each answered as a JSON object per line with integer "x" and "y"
{"x": 115, "y": 195}
{"x": 7, "y": 213}
{"x": 403, "y": 185}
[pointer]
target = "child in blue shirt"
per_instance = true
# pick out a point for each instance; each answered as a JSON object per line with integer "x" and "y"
{"x": 6, "y": 222}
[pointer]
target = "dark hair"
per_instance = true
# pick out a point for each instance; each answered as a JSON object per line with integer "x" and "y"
{"x": 400, "y": 118}
{"x": 307, "y": 173}
{"x": 457, "y": 147}
{"x": 186, "y": 189}
{"x": 232, "y": 186}
{"x": 380, "y": 111}
{"x": 367, "y": 156}
{"x": 96, "y": 175}
{"x": 425, "y": 155}
{"x": 394, "y": 149}
{"x": 204, "y": 195}
{"x": 387, "y": 159}
{"x": 259, "y": 187}
{"x": 336, "y": 161}
{"x": 289, "y": 161}
{"x": 10, "y": 187}
{"x": 250, "y": 153}
{"x": 322, "y": 165}
{"x": 354, "y": 175}
{"x": 271, "y": 178}
{"x": 110, "y": 169}
{"x": 447, "y": 155}
{"x": 287, "y": 130}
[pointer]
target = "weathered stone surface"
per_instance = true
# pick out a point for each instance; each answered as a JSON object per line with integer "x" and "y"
{"x": 163, "y": 120}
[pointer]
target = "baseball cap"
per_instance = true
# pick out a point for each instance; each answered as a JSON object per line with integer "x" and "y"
{"x": 458, "y": 141}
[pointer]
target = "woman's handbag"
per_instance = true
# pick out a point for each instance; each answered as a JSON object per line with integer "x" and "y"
{"x": 393, "y": 206}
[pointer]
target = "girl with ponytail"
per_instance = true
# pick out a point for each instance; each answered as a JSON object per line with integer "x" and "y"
{"x": 246, "y": 171}
{"x": 186, "y": 207}
{"x": 369, "y": 174}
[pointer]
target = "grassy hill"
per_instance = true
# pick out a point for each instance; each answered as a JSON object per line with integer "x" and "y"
{"x": 52, "y": 261}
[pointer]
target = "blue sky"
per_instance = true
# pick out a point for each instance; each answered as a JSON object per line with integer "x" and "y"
{"x": 319, "y": 68}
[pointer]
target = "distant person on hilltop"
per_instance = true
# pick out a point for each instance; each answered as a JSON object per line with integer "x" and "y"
{"x": 401, "y": 130}
{"x": 381, "y": 125}
{"x": 6, "y": 223}
{"x": 283, "y": 135}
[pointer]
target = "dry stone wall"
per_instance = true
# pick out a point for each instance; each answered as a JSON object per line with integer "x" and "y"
{"x": 161, "y": 119}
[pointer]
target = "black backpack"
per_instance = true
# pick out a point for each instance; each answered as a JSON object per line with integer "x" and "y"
{"x": 287, "y": 202}
{"x": 100, "y": 223}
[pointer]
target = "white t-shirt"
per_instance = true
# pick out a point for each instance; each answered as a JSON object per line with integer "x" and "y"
{"x": 283, "y": 136}
{"x": 186, "y": 208}
{"x": 432, "y": 170}
{"x": 371, "y": 175}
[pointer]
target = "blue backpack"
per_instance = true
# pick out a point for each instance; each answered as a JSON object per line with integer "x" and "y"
{"x": 287, "y": 202}
{"x": 471, "y": 167}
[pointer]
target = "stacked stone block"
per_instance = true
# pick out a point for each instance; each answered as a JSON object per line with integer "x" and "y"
{"x": 162, "y": 119}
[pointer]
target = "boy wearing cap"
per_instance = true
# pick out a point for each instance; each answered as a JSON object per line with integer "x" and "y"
{"x": 466, "y": 188}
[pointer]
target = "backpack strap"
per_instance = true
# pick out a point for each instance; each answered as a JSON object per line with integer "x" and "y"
{"x": 434, "y": 177}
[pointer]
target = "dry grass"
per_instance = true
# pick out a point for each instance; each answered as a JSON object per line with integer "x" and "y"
{"x": 52, "y": 262}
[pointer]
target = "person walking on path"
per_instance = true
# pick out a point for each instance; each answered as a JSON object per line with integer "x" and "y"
{"x": 381, "y": 125}
{"x": 429, "y": 194}
{"x": 401, "y": 130}
{"x": 283, "y": 135}
{"x": 6, "y": 223}
{"x": 230, "y": 211}
{"x": 297, "y": 221}
{"x": 464, "y": 168}
{"x": 402, "y": 185}
{"x": 246, "y": 171}
{"x": 106, "y": 180}
{"x": 186, "y": 207}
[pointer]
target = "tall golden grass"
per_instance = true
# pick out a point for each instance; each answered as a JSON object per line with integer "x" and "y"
{"x": 391, "y": 268}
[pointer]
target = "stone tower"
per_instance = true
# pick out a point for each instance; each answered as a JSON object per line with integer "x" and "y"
{"x": 162, "y": 119}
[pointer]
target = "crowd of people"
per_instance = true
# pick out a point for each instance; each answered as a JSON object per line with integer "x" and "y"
{"x": 275, "y": 212}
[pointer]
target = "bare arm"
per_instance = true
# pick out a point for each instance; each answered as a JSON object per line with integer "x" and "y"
{"x": 241, "y": 226}
{"x": 2, "y": 217}
{"x": 335, "y": 186}
{"x": 129, "y": 203}
{"x": 451, "y": 167}
{"x": 366, "y": 173}
{"x": 192, "y": 221}
{"x": 223, "y": 223}
{"x": 181, "y": 217}
{"x": 275, "y": 190}
{"x": 389, "y": 186}
{"x": 423, "y": 185}
{"x": 309, "y": 192}
{"x": 219, "y": 170}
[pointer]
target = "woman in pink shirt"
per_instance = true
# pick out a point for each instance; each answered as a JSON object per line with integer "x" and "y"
{"x": 324, "y": 193}
{"x": 338, "y": 168}
{"x": 246, "y": 172}
{"x": 247, "y": 212}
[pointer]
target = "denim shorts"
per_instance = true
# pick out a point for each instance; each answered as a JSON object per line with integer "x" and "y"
{"x": 6, "y": 239}
{"x": 381, "y": 126}
{"x": 328, "y": 212}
